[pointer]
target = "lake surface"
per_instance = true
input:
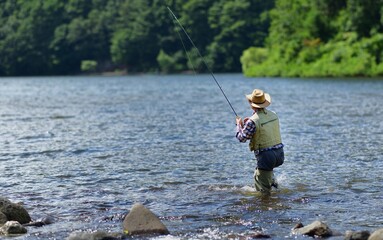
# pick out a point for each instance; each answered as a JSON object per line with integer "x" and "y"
{"x": 83, "y": 150}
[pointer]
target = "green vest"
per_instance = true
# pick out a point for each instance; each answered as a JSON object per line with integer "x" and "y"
{"x": 267, "y": 133}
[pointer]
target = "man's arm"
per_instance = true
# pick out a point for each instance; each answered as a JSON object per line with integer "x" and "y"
{"x": 245, "y": 131}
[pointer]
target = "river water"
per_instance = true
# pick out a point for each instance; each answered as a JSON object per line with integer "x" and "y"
{"x": 83, "y": 150}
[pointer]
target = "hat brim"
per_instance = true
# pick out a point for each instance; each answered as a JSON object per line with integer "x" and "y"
{"x": 266, "y": 103}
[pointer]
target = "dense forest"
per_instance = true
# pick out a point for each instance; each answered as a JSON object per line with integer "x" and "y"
{"x": 59, "y": 37}
{"x": 258, "y": 37}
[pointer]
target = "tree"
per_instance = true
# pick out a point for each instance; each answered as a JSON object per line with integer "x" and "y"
{"x": 85, "y": 36}
{"x": 321, "y": 38}
{"x": 237, "y": 26}
{"x": 26, "y": 32}
{"x": 135, "y": 41}
{"x": 40, "y": 37}
{"x": 364, "y": 17}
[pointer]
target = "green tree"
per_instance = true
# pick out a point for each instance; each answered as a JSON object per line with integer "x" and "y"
{"x": 26, "y": 32}
{"x": 237, "y": 25}
{"x": 321, "y": 38}
{"x": 364, "y": 17}
{"x": 85, "y": 35}
{"x": 135, "y": 42}
{"x": 39, "y": 37}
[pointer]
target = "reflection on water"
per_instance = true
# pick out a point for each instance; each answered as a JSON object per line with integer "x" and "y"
{"x": 83, "y": 150}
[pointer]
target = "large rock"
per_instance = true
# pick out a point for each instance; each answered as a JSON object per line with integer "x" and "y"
{"x": 13, "y": 211}
{"x": 315, "y": 229}
{"x": 377, "y": 235}
{"x": 141, "y": 220}
{"x": 3, "y": 219}
{"x": 12, "y": 227}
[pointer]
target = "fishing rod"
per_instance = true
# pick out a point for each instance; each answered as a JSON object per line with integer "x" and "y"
{"x": 203, "y": 60}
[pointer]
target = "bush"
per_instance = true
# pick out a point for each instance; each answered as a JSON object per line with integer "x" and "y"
{"x": 253, "y": 57}
{"x": 342, "y": 57}
{"x": 88, "y": 66}
{"x": 169, "y": 63}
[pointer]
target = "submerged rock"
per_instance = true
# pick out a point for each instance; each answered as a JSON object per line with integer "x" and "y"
{"x": 98, "y": 235}
{"x": 13, "y": 211}
{"x": 12, "y": 227}
{"x": 259, "y": 235}
{"x": 141, "y": 220}
{"x": 377, "y": 235}
{"x": 40, "y": 222}
{"x": 362, "y": 235}
{"x": 315, "y": 229}
{"x": 298, "y": 225}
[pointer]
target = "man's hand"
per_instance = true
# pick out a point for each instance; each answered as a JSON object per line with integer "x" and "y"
{"x": 238, "y": 121}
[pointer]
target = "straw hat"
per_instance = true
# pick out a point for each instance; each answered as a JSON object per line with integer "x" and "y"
{"x": 259, "y": 99}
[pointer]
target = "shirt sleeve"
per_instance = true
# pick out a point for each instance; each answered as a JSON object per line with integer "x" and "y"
{"x": 247, "y": 132}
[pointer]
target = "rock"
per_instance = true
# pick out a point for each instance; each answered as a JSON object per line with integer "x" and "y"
{"x": 315, "y": 229}
{"x": 3, "y": 219}
{"x": 362, "y": 235}
{"x": 4, "y": 202}
{"x": 98, "y": 235}
{"x": 12, "y": 227}
{"x": 377, "y": 235}
{"x": 298, "y": 225}
{"x": 141, "y": 220}
{"x": 259, "y": 235}
{"x": 13, "y": 211}
{"x": 39, "y": 223}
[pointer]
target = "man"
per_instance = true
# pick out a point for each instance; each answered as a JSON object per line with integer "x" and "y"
{"x": 262, "y": 129}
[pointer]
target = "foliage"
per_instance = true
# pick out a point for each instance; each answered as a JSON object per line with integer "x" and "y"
{"x": 169, "y": 63}
{"x": 236, "y": 28}
{"x": 88, "y": 65}
{"x": 46, "y": 37}
{"x": 310, "y": 38}
{"x": 262, "y": 38}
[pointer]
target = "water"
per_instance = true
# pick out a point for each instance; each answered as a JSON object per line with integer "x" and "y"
{"x": 85, "y": 149}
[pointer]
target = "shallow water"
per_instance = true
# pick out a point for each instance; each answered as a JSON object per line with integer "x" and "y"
{"x": 85, "y": 149}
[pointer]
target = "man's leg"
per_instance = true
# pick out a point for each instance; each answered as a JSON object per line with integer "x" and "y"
{"x": 263, "y": 180}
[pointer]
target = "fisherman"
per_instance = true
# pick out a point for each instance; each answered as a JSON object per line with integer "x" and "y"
{"x": 262, "y": 129}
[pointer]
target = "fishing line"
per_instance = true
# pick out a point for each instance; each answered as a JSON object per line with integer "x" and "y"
{"x": 203, "y": 59}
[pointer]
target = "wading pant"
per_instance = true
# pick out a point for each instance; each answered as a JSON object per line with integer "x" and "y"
{"x": 266, "y": 162}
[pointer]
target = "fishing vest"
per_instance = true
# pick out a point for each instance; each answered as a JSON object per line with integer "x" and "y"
{"x": 267, "y": 132}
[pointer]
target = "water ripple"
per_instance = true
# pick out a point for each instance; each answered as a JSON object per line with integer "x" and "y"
{"x": 85, "y": 149}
